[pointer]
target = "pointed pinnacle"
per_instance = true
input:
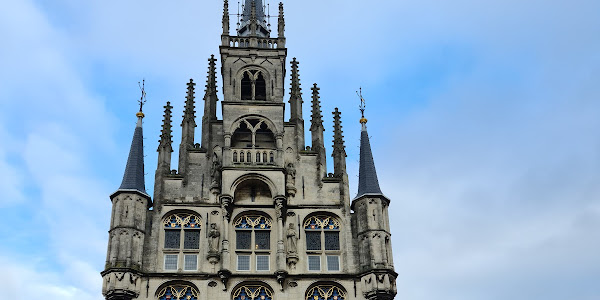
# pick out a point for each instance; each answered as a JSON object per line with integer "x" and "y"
{"x": 226, "y": 17}
{"x": 211, "y": 80}
{"x": 296, "y": 90}
{"x": 338, "y": 138}
{"x": 189, "y": 114}
{"x": 166, "y": 132}
{"x": 317, "y": 118}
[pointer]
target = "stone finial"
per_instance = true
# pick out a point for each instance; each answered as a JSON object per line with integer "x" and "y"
{"x": 226, "y": 17}
{"x": 189, "y": 112}
{"x": 338, "y": 138}
{"x": 211, "y": 80}
{"x": 281, "y": 21}
{"x": 166, "y": 133}
{"x": 316, "y": 122}
{"x": 295, "y": 93}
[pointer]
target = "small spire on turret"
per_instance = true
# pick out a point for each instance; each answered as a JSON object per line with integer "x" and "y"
{"x": 133, "y": 178}
{"x": 166, "y": 133}
{"x": 367, "y": 175}
{"x": 339, "y": 150}
{"x": 211, "y": 80}
{"x": 281, "y": 22}
{"x": 226, "y": 17}
{"x": 317, "y": 119}
{"x": 189, "y": 113}
{"x": 295, "y": 92}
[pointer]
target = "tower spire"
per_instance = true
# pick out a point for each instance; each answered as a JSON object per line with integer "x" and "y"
{"x": 253, "y": 14}
{"x": 367, "y": 175}
{"x": 133, "y": 178}
{"x": 316, "y": 122}
{"x": 210, "y": 102}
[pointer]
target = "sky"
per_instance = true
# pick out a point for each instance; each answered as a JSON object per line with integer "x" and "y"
{"x": 483, "y": 117}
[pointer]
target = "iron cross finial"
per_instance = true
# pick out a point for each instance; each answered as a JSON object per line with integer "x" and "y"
{"x": 142, "y": 100}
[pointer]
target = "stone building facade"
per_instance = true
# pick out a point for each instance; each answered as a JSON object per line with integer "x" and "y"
{"x": 251, "y": 212}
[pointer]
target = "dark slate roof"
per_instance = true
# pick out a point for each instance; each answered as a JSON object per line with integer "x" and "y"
{"x": 133, "y": 179}
{"x": 367, "y": 176}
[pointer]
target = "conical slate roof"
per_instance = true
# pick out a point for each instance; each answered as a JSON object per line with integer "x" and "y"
{"x": 367, "y": 175}
{"x": 133, "y": 179}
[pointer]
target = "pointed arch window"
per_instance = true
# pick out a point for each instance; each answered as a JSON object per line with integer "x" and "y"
{"x": 253, "y": 85}
{"x": 253, "y": 292}
{"x": 322, "y": 242}
{"x": 178, "y": 292}
{"x": 253, "y": 242}
{"x": 326, "y": 292}
{"x": 181, "y": 240}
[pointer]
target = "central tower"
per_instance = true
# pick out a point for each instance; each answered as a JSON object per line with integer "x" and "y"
{"x": 251, "y": 212}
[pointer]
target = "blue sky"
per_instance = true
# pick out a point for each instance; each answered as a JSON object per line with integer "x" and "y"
{"x": 483, "y": 118}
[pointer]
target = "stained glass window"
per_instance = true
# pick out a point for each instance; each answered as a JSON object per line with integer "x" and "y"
{"x": 253, "y": 292}
{"x": 171, "y": 261}
{"x": 326, "y": 292}
{"x": 333, "y": 263}
{"x": 172, "y": 239}
{"x": 243, "y": 239}
{"x": 191, "y": 239}
{"x": 332, "y": 240}
{"x": 243, "y": 263}
{"x": 178, "y": 292}
{"x": 314, "y": 263}
{"x": 313, "y": 240}
{"x": 262, "y": 239}
{"x": 262, "y": 263}
{"x": 190, "y": 262}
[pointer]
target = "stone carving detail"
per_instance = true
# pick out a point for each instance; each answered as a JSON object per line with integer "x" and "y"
{"x": 215, "y": 173}
{"x": 213, "y": 238}
{"x": 291, "y": 179}
{"x": 292, "y": 239}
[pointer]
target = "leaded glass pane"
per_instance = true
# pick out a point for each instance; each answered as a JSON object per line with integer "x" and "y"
{"x": 191, "y": 239}
{"x": 262, "y": 239}
{"x": 178, "y": 292}
{"x": 253, "y": 292}
{"x": 333, "y": 263}
{"x": 314, "y": 263}
{"x": 243, "y": 263}
{"x": 171, "y": 262}
{"x": 332, "y": 240}
{"x": 172, "y": 239}
{"x": 243, "y": 239}
{"x": 313, "y": 240}
{"x": 262, "y": 263}
{"x": 190, "y": 262}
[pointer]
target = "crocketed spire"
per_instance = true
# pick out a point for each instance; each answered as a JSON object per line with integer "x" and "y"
{"x": 295, "y": 93}
{"x": 316, "y": 122}
{"x": 166, "y": 133}
{"x": 133, "y": 179}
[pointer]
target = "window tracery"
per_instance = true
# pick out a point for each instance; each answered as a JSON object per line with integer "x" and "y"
{"x": 175, "y": 226}
{"x": 253, "y": 292}
{"x": 322, "y": 242}
{"x": 326, "y": 292}
{"x": 178, "y": 292}
{"x": 253, "y": 85}
{"x": 253, "y": 242}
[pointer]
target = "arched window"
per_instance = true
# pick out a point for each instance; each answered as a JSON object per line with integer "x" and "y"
{"x": 175, "y": 247}
{"x": 253, "y": 242}
{"x": 322, "y": 242}
{"x": 253, "y": 86}
{"x": 326, "y": 292}
{"x": 235, "y": 156}
{"x": 178, "y": 292}
{"x": 253, "y": 292}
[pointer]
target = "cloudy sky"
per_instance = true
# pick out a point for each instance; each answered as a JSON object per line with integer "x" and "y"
{"x": 484, "y": 119}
